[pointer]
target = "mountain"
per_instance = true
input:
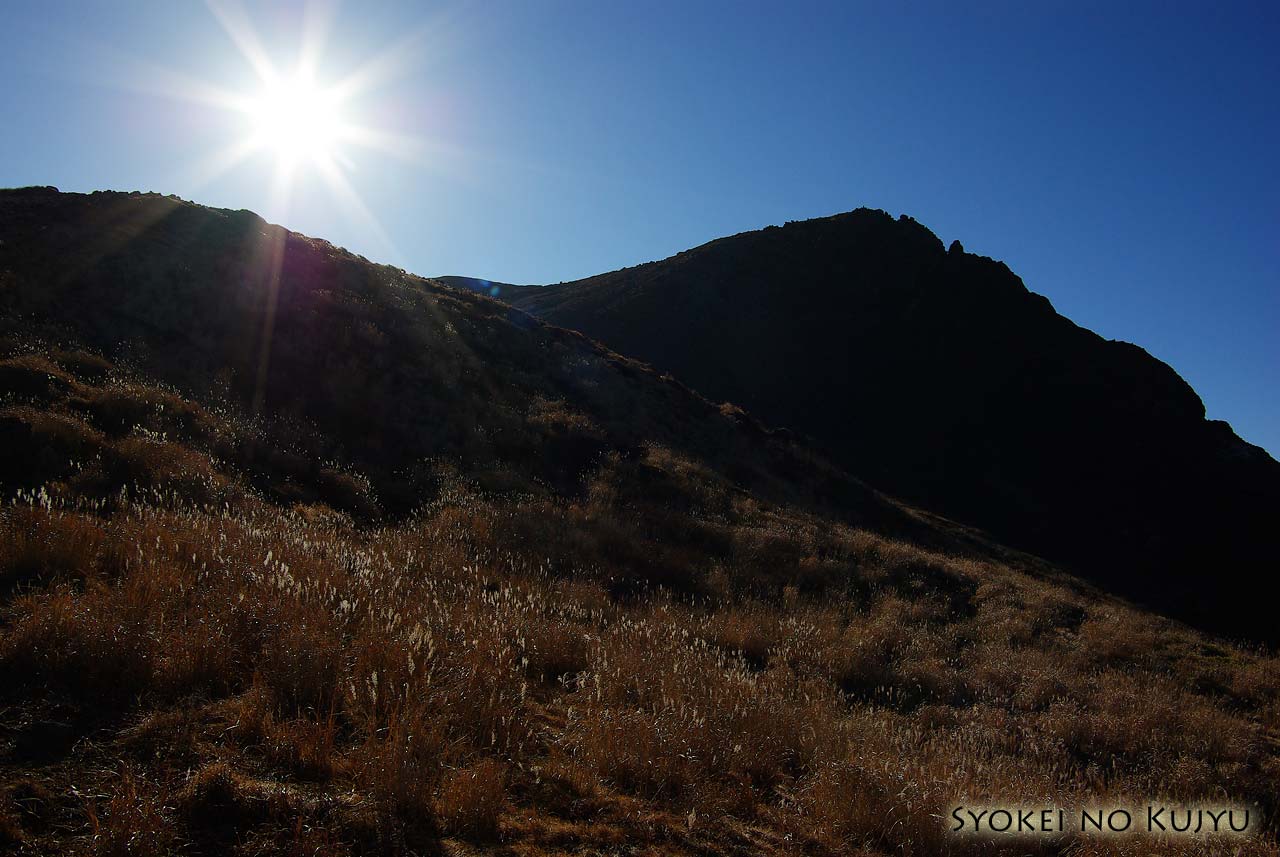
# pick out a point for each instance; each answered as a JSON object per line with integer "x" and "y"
{"x": 360, "y": 366}
{"x": 301, "y": 554}
{"x": 938, "y": 377}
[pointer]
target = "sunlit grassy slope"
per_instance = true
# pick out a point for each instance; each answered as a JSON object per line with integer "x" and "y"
{"x": 426, "y": 575}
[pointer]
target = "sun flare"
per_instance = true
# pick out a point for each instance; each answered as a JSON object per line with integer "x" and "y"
{"x": 306, "y": 115}
{"x": 296, "y": 119}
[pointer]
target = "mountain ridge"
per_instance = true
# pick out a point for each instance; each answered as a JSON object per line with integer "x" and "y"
{"x": 110, "y": 268}
{"x": 938, "y": 376}
{"x": 304, "y": 554}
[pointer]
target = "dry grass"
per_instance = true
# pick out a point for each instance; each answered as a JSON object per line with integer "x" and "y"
{"x": 132, "y": 822}
{"x": 660, "y": 661}
{"x": 451, "y": 687}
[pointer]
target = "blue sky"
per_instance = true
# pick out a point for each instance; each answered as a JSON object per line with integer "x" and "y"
{"x": 1119, "y": 157}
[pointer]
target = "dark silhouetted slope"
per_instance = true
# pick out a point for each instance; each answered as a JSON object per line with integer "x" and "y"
{"x": 346, "y": 366}
{"x": 937, "y": 376}
{"x": 302, "y": 554}
{"x": 506, "y": 291}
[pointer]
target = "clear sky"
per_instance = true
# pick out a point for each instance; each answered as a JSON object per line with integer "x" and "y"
{"x": 1120, "y": 157}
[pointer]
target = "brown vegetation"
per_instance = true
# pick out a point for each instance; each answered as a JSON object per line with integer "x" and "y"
{"x": 614, "y": 619}
{"x": 262, "y": 679}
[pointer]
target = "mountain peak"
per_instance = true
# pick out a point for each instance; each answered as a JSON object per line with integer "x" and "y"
{"x": 938, "y": 376}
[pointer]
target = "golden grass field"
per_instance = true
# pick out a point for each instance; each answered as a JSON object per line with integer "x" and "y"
{"x": 188, "y": 668}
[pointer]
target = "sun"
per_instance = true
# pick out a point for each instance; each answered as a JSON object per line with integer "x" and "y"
{"x": 297, "y": 119}
{"x": 307, "y": 115}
